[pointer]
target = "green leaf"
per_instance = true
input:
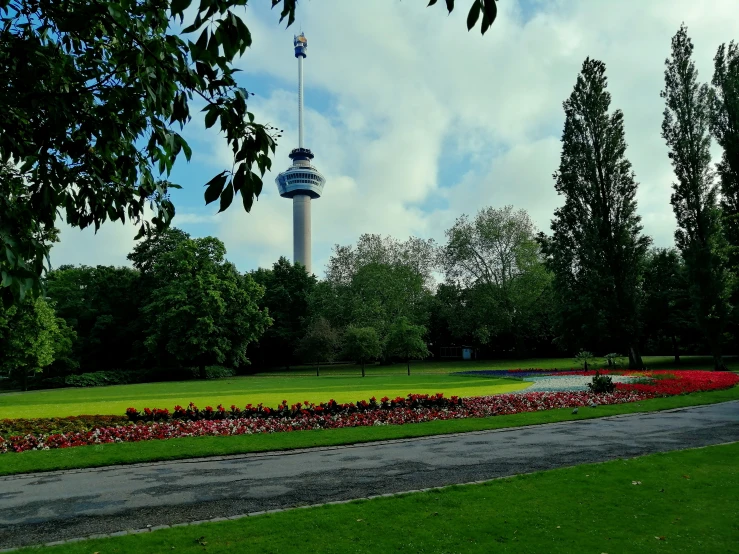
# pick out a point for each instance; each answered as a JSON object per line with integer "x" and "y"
{"x": 215, "y": 186}
{"x": 248, "y": 200}
{"x": 240, "y": 178}
{"x": 227, "y": 197}
{"x": 179, "y": 6}
{"x": 115, "y": 11}
{"x": 10, "y": 256}
{"x": 474, "y": 14}
{"x": 489, "y": 15}
{"x": 256, "y": 184}
{"x": 211, "y": 116}
{"x": 185, "y": 147}
{"x": 194, "y": 26}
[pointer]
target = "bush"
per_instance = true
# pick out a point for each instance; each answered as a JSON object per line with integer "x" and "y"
{"x": 104, "y": 378}
{"x": 215, "y": 372}
{"x": 601, "y": 383}
{"x": 118, "y": 377}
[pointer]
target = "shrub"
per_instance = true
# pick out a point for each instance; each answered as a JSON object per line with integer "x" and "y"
{"x": 103, "y": 378}
{"x": 117, "y": 377}
{"x": 601, "y": 383}
{"x": 216, "y": 372}
{"x": 614, "y": 360}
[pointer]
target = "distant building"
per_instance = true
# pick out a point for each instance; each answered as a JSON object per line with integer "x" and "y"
{"x": 301, "y": 181}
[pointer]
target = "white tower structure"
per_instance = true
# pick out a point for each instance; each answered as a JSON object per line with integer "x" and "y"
{"x": 301, "y": 182}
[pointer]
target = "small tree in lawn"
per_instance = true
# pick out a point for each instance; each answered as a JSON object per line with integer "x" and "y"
{"x": 406, "y": 340}
{"x": 362, "y": 344}
{"x": 320, "y": 343}
{"x": 583, "y": 358}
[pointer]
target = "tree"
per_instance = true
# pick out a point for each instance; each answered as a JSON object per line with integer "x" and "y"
{"x": 94, "y": 93}
{"x": 320, "y": 343}
{"x": 725, "y": 127}
{"x": 287, "y": 287}
{"x": 418, "y": 255}
{"x": 496, "y": 258}
{"x": 374, "y": 283}
{"x": 201, "y": 310}
{"x": 699, "y": 237}
{"x": 406, "y": 340}
{"x": 102, "y": 305}
{"x": 597, "y": 249}
{"x": 362, "y": 344}
{"x": 25, "y": 241}
{"x": 30, "y": 338}
{"x": 666, "y": 301}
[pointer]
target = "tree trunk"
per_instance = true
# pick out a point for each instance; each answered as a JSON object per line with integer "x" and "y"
{"x": 362, "y": 369}
{"x": 25, "y": 379}
{"x": 409, "y": 365}
{"x": 203, "y": 374}
{"x": 635, "y": 360}
{"x": 676, "y": 350}
{"x": 718, "y": 359}
{"x": 318, "y": 370}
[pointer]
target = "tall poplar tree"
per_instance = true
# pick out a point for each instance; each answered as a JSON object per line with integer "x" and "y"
{"x": 699, "y": 237}
{"x": 725, "y": 127}
{"x": 597, "y": 248}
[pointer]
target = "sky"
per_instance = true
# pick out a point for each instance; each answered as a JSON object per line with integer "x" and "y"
{"x": 414, "y": 121}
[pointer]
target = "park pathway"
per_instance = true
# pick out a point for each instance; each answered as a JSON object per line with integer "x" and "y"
{"x": 38, "y": 508}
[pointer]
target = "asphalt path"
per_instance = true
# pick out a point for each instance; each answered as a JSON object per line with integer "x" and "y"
{"x": 44, "y": 507}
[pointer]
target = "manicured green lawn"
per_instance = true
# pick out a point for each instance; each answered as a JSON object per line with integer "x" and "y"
{"x": 270, "y": 391}
{"x": 677, "y": 502}
{"x": 652, "y": 362}
{"x": 342, "y": 383}
{"x": 192, "y": 447}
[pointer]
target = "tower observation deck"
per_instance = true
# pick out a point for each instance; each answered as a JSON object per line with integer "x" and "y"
{"x": 301, "y": 181}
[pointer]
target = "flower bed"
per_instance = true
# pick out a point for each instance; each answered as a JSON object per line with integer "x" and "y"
{"x": 58, "y": 425}
{"x": 157, "y": 424}
{"x": 193, "y": 413}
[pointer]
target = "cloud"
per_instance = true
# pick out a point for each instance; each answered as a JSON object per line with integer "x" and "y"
{"x": 414, "y": 121}
{"x": 109, "y": 246}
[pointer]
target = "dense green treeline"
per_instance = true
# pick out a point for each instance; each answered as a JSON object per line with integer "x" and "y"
{"x": 496, "y": 284}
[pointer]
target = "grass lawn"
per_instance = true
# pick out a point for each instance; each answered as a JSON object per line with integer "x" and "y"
{"x": 676, "y": 502}
{"x": 343, "y": 383}
{"x": 192, "y": 447}
{"x": 270, "y": 391}
{"x": 440, "y": 367}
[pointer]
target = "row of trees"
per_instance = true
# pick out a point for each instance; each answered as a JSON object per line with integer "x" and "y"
{"x": 594, "y": 283}
{"x": 181, "y": 304}
{"x": 597, "y": 252}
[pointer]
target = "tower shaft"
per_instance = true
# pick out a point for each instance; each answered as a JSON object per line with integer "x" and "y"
{"x": 301, "y": 230}
{"x": 300, "y": 102}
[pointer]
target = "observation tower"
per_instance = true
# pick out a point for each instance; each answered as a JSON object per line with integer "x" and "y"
{"x": 301, "y": 181}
